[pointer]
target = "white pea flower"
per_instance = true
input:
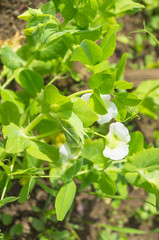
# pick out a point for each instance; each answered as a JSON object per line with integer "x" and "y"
{"x": 117, "y": 142}
{"x": 65, "y": 153}
{"x": 110, "y": 106}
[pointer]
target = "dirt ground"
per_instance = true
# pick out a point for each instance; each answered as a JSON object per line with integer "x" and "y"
{"x": 88, "y": 210}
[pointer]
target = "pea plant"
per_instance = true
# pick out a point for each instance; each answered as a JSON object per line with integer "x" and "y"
{"x": 46, "y": 134}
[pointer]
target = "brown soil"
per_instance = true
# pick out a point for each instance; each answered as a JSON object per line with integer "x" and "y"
{"x": 88, "y": 210}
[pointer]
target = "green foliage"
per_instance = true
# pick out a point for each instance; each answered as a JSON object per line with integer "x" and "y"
{"x": 64, "y": 199}
{"x": 50, "y": 134}
{"x": 10, "y": 58}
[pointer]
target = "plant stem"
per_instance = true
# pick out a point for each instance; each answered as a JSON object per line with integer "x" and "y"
{"x": 7, "y": 82}
{"x": 55, "y": 78}
{"x": 34, "y": 123}
{"x": 81, "y": 92}
{"x": 118, "y": 161}
{"x": 8, "y": 177}
{"x": 42, "y": 135}
{"x": 95, "y": 133}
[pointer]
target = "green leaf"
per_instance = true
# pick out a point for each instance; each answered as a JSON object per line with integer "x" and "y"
{"x": 136, "y": 143}
{"x": 26, "y": 189}
{"x": 31, "y": 81}
{"x": 107, "y": 184}
{"x": 37, "y": 224}
{"x": 148, "y": 159}
{"x": 7, "y": 200}
{"x": 48, "y": 8}
{"x": 72, "y": 171}
{"x": 91, "y": 34}
{"x": 9, "y": 112}
{"x": 46, "y": 126}
{"x": 92, "y": 150}
{"x": 52, "y": 50}
{"x": 121, "y": 84}
{"x": 82, "y": 109}
{"x": 121, "y": 66}
{"x": 104, "y": 82}
{"x": 124, "y": 6}
{"x": 97, "y": 103}
{"x": 6, "y": 219}
{"x": 88, "y": 53}
{"x": 142, "y": 170}
{"x": 73, "y": 130}
{"x": 64, "y": 200}
{"x": 52, "y": 100}
{"x": 123, "y": 229}
{"x": 122, "y": 110}
{"x": 66, "y": 8}
{"x": 101, "y": 67}
{"x": 86, "y": 13}
{"x": 18, "y": 98}
{"x": 128, "y": 99}
{"x": 108, "y": 44}
{"x": 5, "y": 167}
{"x": 17, "y": 229}
{"x": 17, "y": 141}
{"x": 10, "y": 58}
{"x": 43, "y": 151}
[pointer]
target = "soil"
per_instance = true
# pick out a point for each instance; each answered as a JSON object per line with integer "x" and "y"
{"x": 88, "y": 211}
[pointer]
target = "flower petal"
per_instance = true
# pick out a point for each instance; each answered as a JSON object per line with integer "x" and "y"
{"x": 116, "y": 153}
{"x": 112, "y": 112}
{"x": 120, "y": 131}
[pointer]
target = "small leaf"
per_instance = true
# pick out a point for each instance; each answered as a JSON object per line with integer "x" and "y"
{"x": 7, "y": 200}
{"x": 37, "y": 224}
{"x": 64, "y": 200}
{"x": 30, "y": 80}
{"x": 73, "y": 130}
{"x": 107, "y": 184}
{"x": 121, "y": 84}
{"x": 97, "y": 103}
{"x": 52, "y": 101}
{"x": 26, "y": 189}
{"x": 121, "y": 66}
{"x": 17, "y": 229}
{"x": 43, "y": 151}
{"x": 82, "y": 109}
{"x": 72, "y": 171}
{"x": 92, "y": 150}
{"x": 136, "y": 143}
{"x": 17, "y": 141}
{"x": 9, "y": 112}
{"x": 88, "y": 53}
{"x": 122, "y": 110}
{"x": 6, "y": 219}
{"x": 10, "y": 58}
{"x": 108, "y": 44}
{"x": 128, "y": 99}
{"x": 104, "y": 82}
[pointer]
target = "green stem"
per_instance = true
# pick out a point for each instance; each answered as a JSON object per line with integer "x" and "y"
{"x": 95, "y": 133}
{"x": 57, "y": 77}
{"x": 7, "y": 82}
{"x": 34, "y": 123}
{"x": 30, "y": 60}
{"x": 42, "y": 135}
{"x": 8, "y": 177}
{"x": 81, "y": 92}
{"x": 118, "y": 161}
